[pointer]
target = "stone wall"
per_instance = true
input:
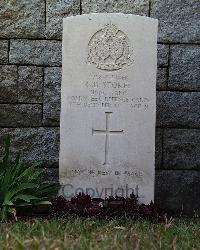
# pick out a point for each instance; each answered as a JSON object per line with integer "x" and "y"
{"x": 30, "y": 77}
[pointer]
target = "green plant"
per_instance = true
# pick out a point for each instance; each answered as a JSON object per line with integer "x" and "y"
{"x": 21, "y": 184}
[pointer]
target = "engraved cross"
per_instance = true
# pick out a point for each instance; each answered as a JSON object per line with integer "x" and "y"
{"x": 107, "y": 132}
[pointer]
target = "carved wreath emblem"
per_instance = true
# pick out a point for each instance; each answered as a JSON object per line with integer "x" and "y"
{"x": 109, "y": 49}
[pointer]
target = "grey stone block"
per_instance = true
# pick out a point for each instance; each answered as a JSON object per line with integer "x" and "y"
{"x": 3, "y": 51}
{"x": 163, "y": 55}
{"x": 8, "y": 84}
{"x": 181, "y": 148}
{"x": 36, "y": 52}
{"x": 30, "y": 84}
{"x": 159, "y": 150}
{"x": 51, "y": 106}
{"x": 34, "y": 144}
{"x": 161, "y": 83}
{"x": 179, "y": 21}
{"x": 56, "y": 11}
{"x": 178, "y": 109}
{"x": 19, "y": 115}
{"x": 127, "y": 6}
{"x": 184, "y": 72}
{"x": 52, "y": 174}
{"x": 178, "y": 191}
{"x": 22, "y": 19}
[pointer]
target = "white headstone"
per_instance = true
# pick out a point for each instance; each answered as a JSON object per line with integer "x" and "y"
{"x": 108, "y": 110}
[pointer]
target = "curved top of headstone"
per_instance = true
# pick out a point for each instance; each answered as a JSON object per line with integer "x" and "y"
{"x": 117, "y": 14}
